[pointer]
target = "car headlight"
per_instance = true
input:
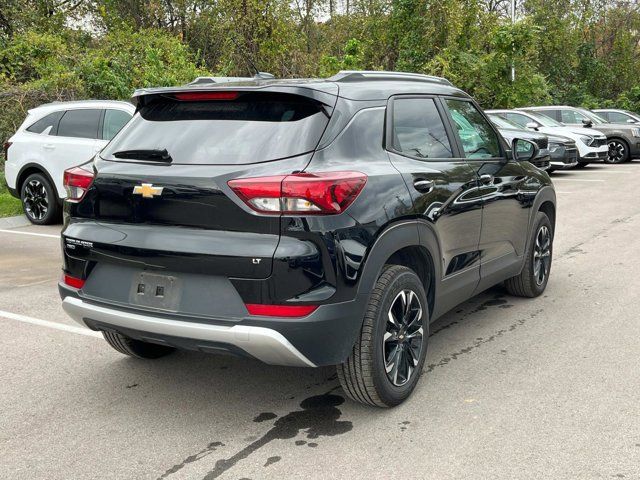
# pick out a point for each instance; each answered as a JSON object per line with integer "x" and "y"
{"x": 635, "y": 132}
{"x": 554, "y": 147}
{"x": 587, "y": 140}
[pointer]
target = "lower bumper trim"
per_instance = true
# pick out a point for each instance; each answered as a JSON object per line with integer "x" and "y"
{"x": 265, "y": 344}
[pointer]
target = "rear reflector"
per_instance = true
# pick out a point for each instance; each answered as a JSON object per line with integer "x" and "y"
{"x": 6, "y": 146}
{"x": 200, "y": 96}
{"x": 76, "y": 182}
{"x": 280, "y": 310}
{"x": 300, "y": 193}
{"x": 73, "y": 281}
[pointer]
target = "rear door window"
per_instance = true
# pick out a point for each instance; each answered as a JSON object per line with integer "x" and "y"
{"x": 250, "y": 128}
{"x": 81, "y": 123}
{"x": 518, "y": 119}
{"x": 48, "y": 122}
{"x": 570, "y": 116}
{"x": 114, "y": 120}
{"x": 418, "y": 130}
{"x": 615, "y": 117}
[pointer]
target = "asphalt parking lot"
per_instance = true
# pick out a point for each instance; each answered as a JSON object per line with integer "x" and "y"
{"x": 513, "y": 388}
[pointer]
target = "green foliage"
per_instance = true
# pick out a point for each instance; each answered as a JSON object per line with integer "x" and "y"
{"x": 9, "y": 205}
{"x": 40, "y": 67}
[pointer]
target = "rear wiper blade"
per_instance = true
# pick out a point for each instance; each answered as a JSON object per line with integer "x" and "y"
{"x": 151, "y": 155}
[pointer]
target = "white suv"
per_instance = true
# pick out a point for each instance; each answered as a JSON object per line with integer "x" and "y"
{"x": 591, "y": 143}
{"x": 54, "y": 137}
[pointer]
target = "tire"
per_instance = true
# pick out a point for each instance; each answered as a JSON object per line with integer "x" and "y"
{"x": 531, "y": 283}
{"x": 363, "y": 375}
{"x": 135, "y": 348}
{"x": 39, "y": 200}
{"x": 618, "y": 151}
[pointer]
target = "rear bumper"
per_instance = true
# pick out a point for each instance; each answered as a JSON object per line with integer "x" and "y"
{"x": 324, "y": 337}
{"x": 262, "y": 343}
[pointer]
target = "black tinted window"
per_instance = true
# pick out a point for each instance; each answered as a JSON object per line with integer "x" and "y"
{"x": 255, "y": 127}
{"x": 114, "y": 120}
{"x": 80, "y": 123}
{"x": 418, "y": 130}
{"x": 45, "y": 122}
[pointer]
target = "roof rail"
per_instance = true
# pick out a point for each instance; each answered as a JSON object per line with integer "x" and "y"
{"x": 359, "y": 75}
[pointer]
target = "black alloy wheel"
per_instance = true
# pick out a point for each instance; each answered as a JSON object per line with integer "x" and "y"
{"x": 618, "y": 151}
{"x": 533, "y": 278}
{"x": 403, "y": 337}
{"x": 542, "y": 255}
{"x": 386, "y": 362}
{"x": 39, "y": 201}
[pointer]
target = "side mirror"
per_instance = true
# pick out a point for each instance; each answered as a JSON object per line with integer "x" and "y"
{"x": 532, "y": 125}
{"x": 631, "y": 120}
{"x": 587, "y": 123}
{"x": 523, "y": 150}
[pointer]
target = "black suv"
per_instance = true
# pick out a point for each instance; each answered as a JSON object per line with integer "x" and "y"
{"x": 303, "y": 223}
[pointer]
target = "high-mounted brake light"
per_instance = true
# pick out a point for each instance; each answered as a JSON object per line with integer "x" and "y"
{"x": 280, "y": 310}
{"x": 199, "y": 96}
{"x": 76, "y": 182}
{"x": 73, "y": 281}
{"x": 300, "y": 193}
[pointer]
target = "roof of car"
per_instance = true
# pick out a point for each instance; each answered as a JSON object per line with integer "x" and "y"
{"x": 354, "y": 85}
{"x": 546, "y": 107}
{"x": 86, "y": 104}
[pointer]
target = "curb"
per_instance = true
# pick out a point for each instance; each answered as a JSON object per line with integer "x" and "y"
{"x": 14, "y": 222}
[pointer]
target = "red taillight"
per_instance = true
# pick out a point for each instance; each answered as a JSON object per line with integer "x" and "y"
{"x": 280, "y": 310}
{"x": 76, "y": 182}
{"x": 301, "y": 193}
{"x": 73, "y": 281}
{"x": 200, "y": 96}
{"x": 6, "y": 146}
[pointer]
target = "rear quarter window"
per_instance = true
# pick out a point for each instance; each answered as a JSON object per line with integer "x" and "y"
{"x": 48, "y": 122}
{"x": 254, "y": 127}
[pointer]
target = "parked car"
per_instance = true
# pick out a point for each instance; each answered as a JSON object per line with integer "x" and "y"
{"x": 623, "y": 139}
{"x": 557, "y": 153}
{"x": 591, "y": 144}
{"x": 614, "y": 115}
{"x": 303, "y": 223}
{"x": 51, "y": 139}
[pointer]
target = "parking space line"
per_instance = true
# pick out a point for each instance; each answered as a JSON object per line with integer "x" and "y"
{"x": 18, "y": 232}
{"x": 46, "y": 323}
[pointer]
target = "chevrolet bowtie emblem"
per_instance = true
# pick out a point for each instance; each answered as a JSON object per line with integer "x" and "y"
{"x": 147, "y": 190}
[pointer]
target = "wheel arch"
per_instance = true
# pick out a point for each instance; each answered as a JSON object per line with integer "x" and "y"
{"x": 29, "y": 169}
{"x": 410, "y": 244}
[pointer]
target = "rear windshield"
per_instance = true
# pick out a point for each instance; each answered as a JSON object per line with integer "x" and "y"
{"x": 255, "y": 127}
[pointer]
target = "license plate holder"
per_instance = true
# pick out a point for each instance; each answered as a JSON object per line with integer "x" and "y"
{"x": 156, "y": 291}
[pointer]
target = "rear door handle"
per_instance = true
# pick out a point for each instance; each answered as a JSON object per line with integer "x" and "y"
{"x": 48, "y": 146}
{"x": 424, "y": 186}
